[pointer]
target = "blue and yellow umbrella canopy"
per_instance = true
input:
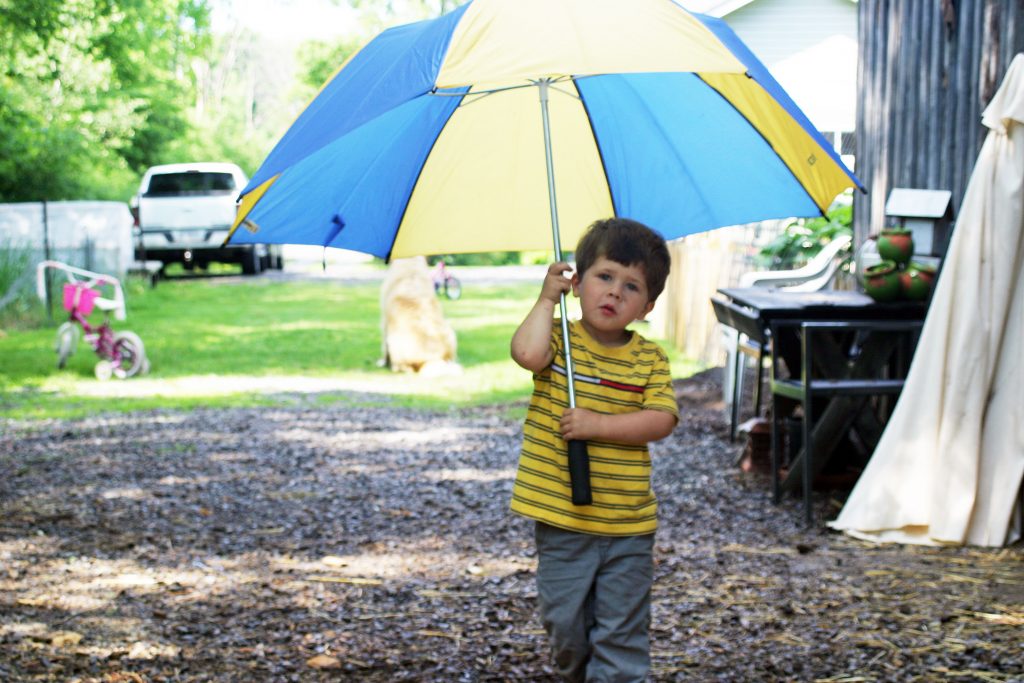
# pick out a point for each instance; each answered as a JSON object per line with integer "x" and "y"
{"x": 429, "y": 140}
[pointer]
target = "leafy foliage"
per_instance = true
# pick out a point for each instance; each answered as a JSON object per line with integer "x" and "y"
{"x": 486, "y": 258}
{"x": 92, "y": 91}
{"x": 379, "y": 13}
{"x": 319, "y": 61}
{"x": 802, "y": 239}
{"x": 239, "y": 104}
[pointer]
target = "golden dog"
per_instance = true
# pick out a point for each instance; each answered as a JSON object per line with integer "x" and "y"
{"x": 415, "y": 337}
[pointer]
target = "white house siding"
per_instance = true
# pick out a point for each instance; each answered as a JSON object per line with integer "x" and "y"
{"x": 810, "y": 47}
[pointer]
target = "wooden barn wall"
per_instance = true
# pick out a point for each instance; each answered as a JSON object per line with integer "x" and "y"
{"x": 927, "y": 69}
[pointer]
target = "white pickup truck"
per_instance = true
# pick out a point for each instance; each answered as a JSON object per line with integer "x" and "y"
{"x": 183, "y": 213}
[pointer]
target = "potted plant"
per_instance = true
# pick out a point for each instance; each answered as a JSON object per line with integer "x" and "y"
{"x": 804, "y": 238}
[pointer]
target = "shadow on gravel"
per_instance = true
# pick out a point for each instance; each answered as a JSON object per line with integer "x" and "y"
{"x": 373, "y": 544}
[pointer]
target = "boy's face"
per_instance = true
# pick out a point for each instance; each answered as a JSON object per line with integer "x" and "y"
{"x": 611, "y": 296}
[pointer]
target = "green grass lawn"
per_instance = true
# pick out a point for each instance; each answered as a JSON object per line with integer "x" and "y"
{"x": 245, "y": 342}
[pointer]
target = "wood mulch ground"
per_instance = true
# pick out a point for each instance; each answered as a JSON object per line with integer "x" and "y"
{"x": 332, "y": 541}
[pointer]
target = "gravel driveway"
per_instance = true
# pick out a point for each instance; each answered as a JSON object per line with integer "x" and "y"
{"x": 333, "y": 541}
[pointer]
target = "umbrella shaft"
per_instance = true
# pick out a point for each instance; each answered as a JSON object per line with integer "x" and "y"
{"x": 569, "y": 382}
{"x": 552, "y": 199}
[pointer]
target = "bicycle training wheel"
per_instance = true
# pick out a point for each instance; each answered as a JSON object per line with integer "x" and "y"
{"x": 452, "y": 287}
{"x": 104, "y": 370}
{"x": 66, "y": 343}
{"x": 129, "y": 355}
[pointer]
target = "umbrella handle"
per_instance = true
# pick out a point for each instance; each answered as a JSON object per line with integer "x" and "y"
{"x": 579, "y": 460}
{"x": 579, "y": 473}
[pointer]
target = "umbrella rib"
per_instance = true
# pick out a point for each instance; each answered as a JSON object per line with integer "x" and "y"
{"x": 478, "y": 95}
{"x": 447, "y": 93}
{"x": 567, "y": 93}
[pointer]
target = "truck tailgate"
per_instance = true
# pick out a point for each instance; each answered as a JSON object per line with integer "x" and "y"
{"x": 169, "y": 213}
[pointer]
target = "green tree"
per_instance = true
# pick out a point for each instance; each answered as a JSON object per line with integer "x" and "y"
{"x": 377, "y": 14}
{"x": 241, "y": 102}
{"x": 319, "y": 60}
{"x": 91, "y": 91}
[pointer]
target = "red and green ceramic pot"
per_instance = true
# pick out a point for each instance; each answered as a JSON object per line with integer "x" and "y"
{"x": 882, "y": 281}
{"x": 916, "y": 281}
{"x": 913, "y": 286}
{"x": 896, "y": 244}
{"x": 927, "y": 272}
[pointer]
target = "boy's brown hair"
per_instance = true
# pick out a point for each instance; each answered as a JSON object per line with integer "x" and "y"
{"x": 629, "y": 243}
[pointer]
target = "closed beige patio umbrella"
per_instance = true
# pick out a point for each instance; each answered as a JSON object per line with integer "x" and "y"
{"x": 949, "y": 466}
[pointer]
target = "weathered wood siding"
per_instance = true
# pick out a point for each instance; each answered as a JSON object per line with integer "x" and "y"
{"x": 927, "y": 70}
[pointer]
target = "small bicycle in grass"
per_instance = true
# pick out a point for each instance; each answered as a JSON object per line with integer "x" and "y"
{"x": 121, "y": 354}
{"x": 445, "y": 282}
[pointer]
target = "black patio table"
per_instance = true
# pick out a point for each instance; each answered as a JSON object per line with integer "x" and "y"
{"x": 831, "y": 352}
{"x": 770, "y": 303}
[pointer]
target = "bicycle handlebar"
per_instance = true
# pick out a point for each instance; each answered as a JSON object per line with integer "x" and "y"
{"x": 87, "y": 278}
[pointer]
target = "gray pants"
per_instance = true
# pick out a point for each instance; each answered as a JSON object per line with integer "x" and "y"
{"x": 595, "y": 602}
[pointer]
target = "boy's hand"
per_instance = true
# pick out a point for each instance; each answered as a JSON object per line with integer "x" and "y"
{"x": 640, "y": 427}
{"x": 531, "y": 344}
{"x": 580, "y": 424}
{"x": 555, "y": 282}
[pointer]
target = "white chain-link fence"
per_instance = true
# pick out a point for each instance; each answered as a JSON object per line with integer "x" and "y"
{"x": 93, "y": 235}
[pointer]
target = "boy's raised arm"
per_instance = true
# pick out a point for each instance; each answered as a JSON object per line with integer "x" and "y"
{"x": 531, "y": 343}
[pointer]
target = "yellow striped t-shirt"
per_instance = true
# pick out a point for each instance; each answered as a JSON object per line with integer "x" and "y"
{"x": 609, "y": 380}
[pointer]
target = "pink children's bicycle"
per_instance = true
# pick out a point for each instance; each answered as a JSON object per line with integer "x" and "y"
{"x": 445, "y": 282}
{"x": 121, "y": 354}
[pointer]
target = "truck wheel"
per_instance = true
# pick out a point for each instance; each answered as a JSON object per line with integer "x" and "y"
{"x": 251, "y": 262}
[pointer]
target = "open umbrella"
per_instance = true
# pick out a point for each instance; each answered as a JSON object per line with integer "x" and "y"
{"x": 430, "y": 140}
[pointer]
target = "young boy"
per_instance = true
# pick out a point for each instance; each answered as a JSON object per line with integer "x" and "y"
{"x": 595, "y": 564}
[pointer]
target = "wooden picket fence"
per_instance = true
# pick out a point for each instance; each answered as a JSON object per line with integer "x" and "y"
{"x": 701, "y": 264}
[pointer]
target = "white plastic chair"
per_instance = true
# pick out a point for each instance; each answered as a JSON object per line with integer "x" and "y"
{"x": 812, "y": 277}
